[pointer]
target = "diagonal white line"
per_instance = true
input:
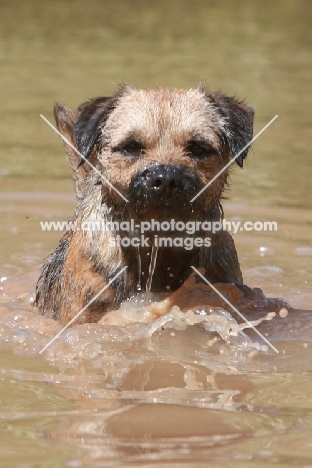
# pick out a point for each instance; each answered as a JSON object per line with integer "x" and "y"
{"x": 81, "y": 155}
{"x": 233, "y": 159}
{"x": 82, "y": 310}
{"x": 235, "y": 310}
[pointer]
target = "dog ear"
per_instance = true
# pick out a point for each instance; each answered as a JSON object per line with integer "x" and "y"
{"x": 65, "y": 119}
{"x": 91, "y": 117}
{"x": 238, "y": 123}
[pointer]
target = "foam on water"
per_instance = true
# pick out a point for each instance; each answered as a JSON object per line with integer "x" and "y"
{"x": 27, "y": 331}
{"x": 201, "y": 333}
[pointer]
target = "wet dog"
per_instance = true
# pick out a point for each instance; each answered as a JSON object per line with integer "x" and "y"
{"x": 150, "y": 152}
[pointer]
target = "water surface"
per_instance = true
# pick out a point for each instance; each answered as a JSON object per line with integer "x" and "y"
{"x": 171, "y": 399}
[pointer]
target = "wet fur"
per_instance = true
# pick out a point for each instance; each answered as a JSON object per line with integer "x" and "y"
{"x": 165, "y": 126}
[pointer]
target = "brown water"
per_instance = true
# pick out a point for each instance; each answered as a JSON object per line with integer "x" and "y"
{"x": 110, "y": 396}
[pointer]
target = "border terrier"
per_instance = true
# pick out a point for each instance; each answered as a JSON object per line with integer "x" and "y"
{"x": 158, "y": 148}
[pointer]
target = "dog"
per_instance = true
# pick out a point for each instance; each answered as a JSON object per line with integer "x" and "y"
{"x": 143, "y": 155}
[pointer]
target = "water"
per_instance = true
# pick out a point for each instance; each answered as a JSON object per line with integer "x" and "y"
{"x": 175, "y": 394}
{"x": 139, "y": 287}
{"x": 151, "y": 271}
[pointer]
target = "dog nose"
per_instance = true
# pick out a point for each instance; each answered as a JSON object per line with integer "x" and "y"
{"x": 164, "y": 190}
{"x": 163, "y": 180}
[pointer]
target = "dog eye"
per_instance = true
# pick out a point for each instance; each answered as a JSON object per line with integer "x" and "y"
{"x": 130, "y": 148}
{"x": 199, "y": 150}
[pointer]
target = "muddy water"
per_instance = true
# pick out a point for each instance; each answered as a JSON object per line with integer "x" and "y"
{"x": 114, "y": 396}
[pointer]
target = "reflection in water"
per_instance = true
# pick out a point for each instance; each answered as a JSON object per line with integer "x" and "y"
{"x": 107, "y": 396}
{"x": 171, "y": 392}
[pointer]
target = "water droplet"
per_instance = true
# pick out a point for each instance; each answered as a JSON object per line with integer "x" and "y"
{"x": 283, "y": 312}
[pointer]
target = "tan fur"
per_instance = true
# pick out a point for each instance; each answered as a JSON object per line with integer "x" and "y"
{"x": 163, "y": 124}
{"x": 172, "y": 118}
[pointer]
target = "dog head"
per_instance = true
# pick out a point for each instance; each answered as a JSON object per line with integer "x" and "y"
{"x": 159, "y": 148}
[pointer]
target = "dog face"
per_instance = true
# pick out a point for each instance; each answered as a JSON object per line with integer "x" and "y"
{"x": 161, "y": 147}
{"x": 158, "y": 148}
